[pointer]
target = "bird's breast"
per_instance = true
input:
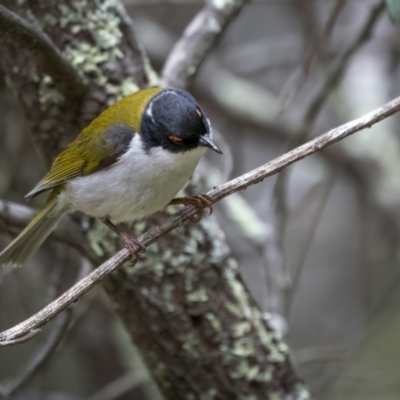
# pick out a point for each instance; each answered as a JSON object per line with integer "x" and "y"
{"x": 137, "y": 185}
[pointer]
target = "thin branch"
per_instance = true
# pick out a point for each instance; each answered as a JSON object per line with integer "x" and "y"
{"x": 197, "y": 40}
{"x": 120, "y": 386}
{"x": 141, "y": 62}
{"x": 52, "y": 341}
{"x": 242, "y": 182}
{"x": 64, "y": 75}
{"x": 13, "y": 215}
{"x": 337, "y": 73}
{"x": 59, "y": 330}
{"x": 20, "y": 339}
{"x": 255, "y": 106}
{"x": 298, "y": 77}
{"x": 279, "y": 194}
{"x": 272, "y": 252}
{"x": 309, "y": 238}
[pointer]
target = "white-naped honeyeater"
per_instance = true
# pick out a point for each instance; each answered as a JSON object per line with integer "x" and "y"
{"x": 127, "y": 164}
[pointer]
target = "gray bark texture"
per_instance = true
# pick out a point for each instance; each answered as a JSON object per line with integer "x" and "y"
{"x": 184, "y": 305}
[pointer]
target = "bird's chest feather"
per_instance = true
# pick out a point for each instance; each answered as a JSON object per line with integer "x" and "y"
{"x": 137, "y": 185}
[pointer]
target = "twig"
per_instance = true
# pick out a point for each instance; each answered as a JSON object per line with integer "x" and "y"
{"x": 197, "y": 40}
{"x": 255, "y": 105}
{"x": 337, "y": 73}
{"x": 263, "y": 117}
{"x": 20, "y": 339}
{"x": 15, "y": 214}
{"x": 300, "y": 74}
{"x": 260, "y": 55}
{"x": 120, "y": 386}
{"x": 68, "y": 232}
{"x": 242, "y": 182}
{"x": 42, "y": 355}
{"x": 308, "y": 14}
{"x": 309, "y": 237}
{"x": 64, "y": 76}
{"x": 59, "y": 330}
{"x": 141, "y": 62}
{"x": 272, "y": 252}
{"x": 315, "y": 107}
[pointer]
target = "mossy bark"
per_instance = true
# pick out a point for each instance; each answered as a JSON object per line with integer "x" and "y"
{"x": 184, "y": 304}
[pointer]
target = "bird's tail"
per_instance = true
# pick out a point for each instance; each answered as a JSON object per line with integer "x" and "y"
{"x": 29, "y": 240}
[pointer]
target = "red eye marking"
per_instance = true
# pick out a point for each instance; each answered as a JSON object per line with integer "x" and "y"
{"x": 175, "y": 139}
{"x": 198, "y": 112}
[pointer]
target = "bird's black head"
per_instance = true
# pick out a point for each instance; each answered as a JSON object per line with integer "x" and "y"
{"x": 174, "y": 121}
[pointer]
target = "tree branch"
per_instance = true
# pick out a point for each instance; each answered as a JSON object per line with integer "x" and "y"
{"x": 120, "y": 386}
{"x": 283, "y": 286}
{"x": 197, "y": 40}
{"x": 336, "y": 74}
{"x": 13, "y": 215}
{"x": 298, "y": 77}
{"x": 42, "y": 355}
{"x": 57, "y": 334}
{"x": 141, "y": 63}
{"x": 21, "y": 338}
{"x": 242, "y": 182}
{"x": 64, "y": 75}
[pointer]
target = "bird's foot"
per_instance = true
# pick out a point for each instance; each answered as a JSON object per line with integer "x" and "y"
{"x": 133, "y": 245}
{"x": 200, "y": 201}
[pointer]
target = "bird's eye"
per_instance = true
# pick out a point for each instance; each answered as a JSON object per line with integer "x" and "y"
{"x": 175, "y": 139}
{"x": 199, "y": 112}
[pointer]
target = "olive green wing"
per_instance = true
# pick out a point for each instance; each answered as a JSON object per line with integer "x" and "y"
{"x": 88, "y": 153}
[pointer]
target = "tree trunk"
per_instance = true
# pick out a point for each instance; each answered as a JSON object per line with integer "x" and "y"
{"x": 201, "y": 334}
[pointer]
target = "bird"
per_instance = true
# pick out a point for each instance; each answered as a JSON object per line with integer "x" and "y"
{"x": 128, "y": 163}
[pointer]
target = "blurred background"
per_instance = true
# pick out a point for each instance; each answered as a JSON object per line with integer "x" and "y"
{"x": 318, "y": 246}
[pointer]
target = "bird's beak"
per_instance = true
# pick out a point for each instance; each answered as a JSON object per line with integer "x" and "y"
{"x": 206, "y": 141}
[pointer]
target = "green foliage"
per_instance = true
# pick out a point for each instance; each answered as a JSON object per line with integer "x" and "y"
{"x": 393, "y": 8}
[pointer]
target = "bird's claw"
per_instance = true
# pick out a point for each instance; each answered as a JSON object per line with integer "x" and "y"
{"x": 200, "y": 201}
{"x": 132, "y": 245}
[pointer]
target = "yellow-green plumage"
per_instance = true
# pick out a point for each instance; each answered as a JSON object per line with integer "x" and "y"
{"x": 34, "y": 234}
{"x": 83, "y": 156}
{"x": 127, "y": 164}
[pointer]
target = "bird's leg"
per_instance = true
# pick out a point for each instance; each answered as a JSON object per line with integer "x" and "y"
{"x": 132, "y": 244}
{"x": 201, "y": 201}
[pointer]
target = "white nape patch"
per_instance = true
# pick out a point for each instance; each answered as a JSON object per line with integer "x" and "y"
{"x": 169, "y": 91}
{"x": 136, "y": 186}
{"x": 149, "y": 112}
